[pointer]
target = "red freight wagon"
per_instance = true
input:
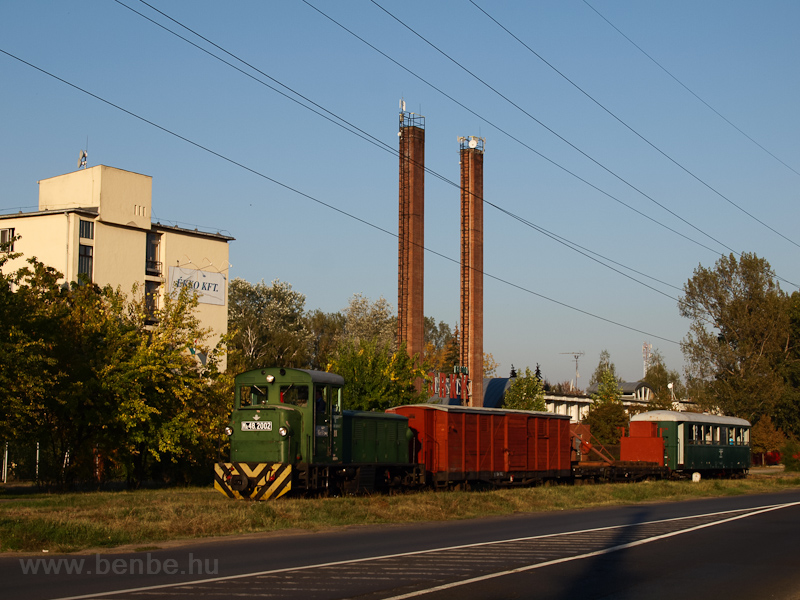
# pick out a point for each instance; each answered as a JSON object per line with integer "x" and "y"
{"x": 643, "y": 443}
{"x": 463, "y": 444}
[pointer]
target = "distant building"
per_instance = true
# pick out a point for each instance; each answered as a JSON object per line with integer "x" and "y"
{"x": 636, "y": 395}
{"x": 97, "y": 222}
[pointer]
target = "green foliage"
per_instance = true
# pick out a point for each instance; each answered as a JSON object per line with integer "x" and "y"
{"x": 659, "y": 377}
{"x": 98, "y": 385}
{"x": 607, "y": 415}
{"x": 369, "y": 321}
{"x": 764, "y": 437}
{"x": 442, "y": 346}
{"x": 376, "y": 376}
{"x": 489, "y": 365}
{"x": 790, "y": 453}
{"x": 266, "y": 325}
{"x": 604, "y": 365}
{"x": 786, "y": 412}
{"x": 525, "y": 393}
{"x": 325, "y": 329}
{"x": 738, "y": 336}
{"x": 608, "y": 390}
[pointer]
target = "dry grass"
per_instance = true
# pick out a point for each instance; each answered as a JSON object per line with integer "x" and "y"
{"x": 82, "y": 521}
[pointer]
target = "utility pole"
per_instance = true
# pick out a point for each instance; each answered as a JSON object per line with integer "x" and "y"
{"x": 576, "y": 356}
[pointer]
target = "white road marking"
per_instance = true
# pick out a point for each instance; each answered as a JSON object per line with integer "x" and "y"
{"x": 455, "y": 584}
{"x": 755, "y": 511}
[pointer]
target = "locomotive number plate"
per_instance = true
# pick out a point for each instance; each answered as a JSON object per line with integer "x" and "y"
{"x": 256, "y": 425}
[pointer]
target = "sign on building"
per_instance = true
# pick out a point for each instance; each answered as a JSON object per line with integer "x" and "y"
{"x": 209, "y": 286}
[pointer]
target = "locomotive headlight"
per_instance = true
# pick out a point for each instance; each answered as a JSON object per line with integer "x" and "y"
{"x": 228, "y": 430}
{"x": 270, "y": 378}
{"x": 284, "y": 431}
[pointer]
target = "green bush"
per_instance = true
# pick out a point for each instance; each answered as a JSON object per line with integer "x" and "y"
{"x": 791, "y": 455}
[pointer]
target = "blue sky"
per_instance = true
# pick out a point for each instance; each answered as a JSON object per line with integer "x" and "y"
{"x": 739, "y": 57}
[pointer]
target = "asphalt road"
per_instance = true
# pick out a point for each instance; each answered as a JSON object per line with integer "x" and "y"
{"x": 739, "y": 547}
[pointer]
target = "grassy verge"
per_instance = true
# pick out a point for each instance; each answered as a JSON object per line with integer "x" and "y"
{"x": 144, "y": 519}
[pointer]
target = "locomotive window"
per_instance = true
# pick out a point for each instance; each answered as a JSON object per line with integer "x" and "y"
{"x": 320, "y": 398}
{"x": 252, "y": 395}
{"x": 296, "y": 395}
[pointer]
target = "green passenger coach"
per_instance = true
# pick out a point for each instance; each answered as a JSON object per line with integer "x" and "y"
{"x": 702, "y": 444}
{"x": 288, "y": 433}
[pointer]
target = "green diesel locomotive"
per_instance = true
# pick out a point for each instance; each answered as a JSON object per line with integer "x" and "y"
{"x": 288, "y": 433}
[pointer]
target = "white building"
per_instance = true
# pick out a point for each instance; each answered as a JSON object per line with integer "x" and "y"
{"x": 97, "y": 222}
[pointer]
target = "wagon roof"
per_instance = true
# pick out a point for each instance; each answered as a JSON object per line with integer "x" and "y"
{"x": 481, "y": 410}
{"x": 670, "y": 415}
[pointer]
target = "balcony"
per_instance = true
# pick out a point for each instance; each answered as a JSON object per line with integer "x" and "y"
{"x": 153, "y": 267}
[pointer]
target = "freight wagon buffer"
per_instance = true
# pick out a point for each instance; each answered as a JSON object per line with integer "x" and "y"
{"x": 460, "y": 445}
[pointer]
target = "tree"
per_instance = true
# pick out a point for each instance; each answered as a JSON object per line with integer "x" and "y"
{"x": 604, "y": 365}
{"x": 325, "y": 331}
{"x": 786, "y": 413}
{"x": 489, "y": 365}
{"x": 267, "y": 326}
{"x": 165, "y": 395}
{"x": 764, "y": 437}
{"x": 659, "y": 377}
{"x": 440, "y": 342}
{"x": 738, "y": 336}
{"x": 525, "y": 393}
{"x": 96, "y": 381}
{"x": 369, "y": 321}
{"x": 376, "y": 376}
{"x": 607, "y": 415}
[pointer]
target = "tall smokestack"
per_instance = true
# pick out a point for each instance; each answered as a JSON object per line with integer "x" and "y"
{"x": 471, "y": 156}
{"x": 411, "y": 233}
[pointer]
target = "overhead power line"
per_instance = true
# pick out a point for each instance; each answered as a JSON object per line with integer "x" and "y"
{"x": 514, "y": 138}
{"x": 688, "y": 89}
{"x": 377, "y": 142}
{"x": 636, "y": 133}
{"x": 506, "y": 133}
{"x": 552, "y": 131}
{"x": 318, "y": 201}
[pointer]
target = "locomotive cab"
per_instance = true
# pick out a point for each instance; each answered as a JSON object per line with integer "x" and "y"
{"x": 282, "y": 421}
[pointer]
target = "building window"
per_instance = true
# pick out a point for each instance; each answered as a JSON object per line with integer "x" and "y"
{"x": 87, "y": 229}
{"x": 151, "y": 298}
{"x": 85, "y": 261}
{"x": 7, "y": 237}
{"x": 153, "y": 264}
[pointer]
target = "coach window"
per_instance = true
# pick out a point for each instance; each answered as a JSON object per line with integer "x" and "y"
{"x": 707, "y": 434}
{"x": 296, "y": 395}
